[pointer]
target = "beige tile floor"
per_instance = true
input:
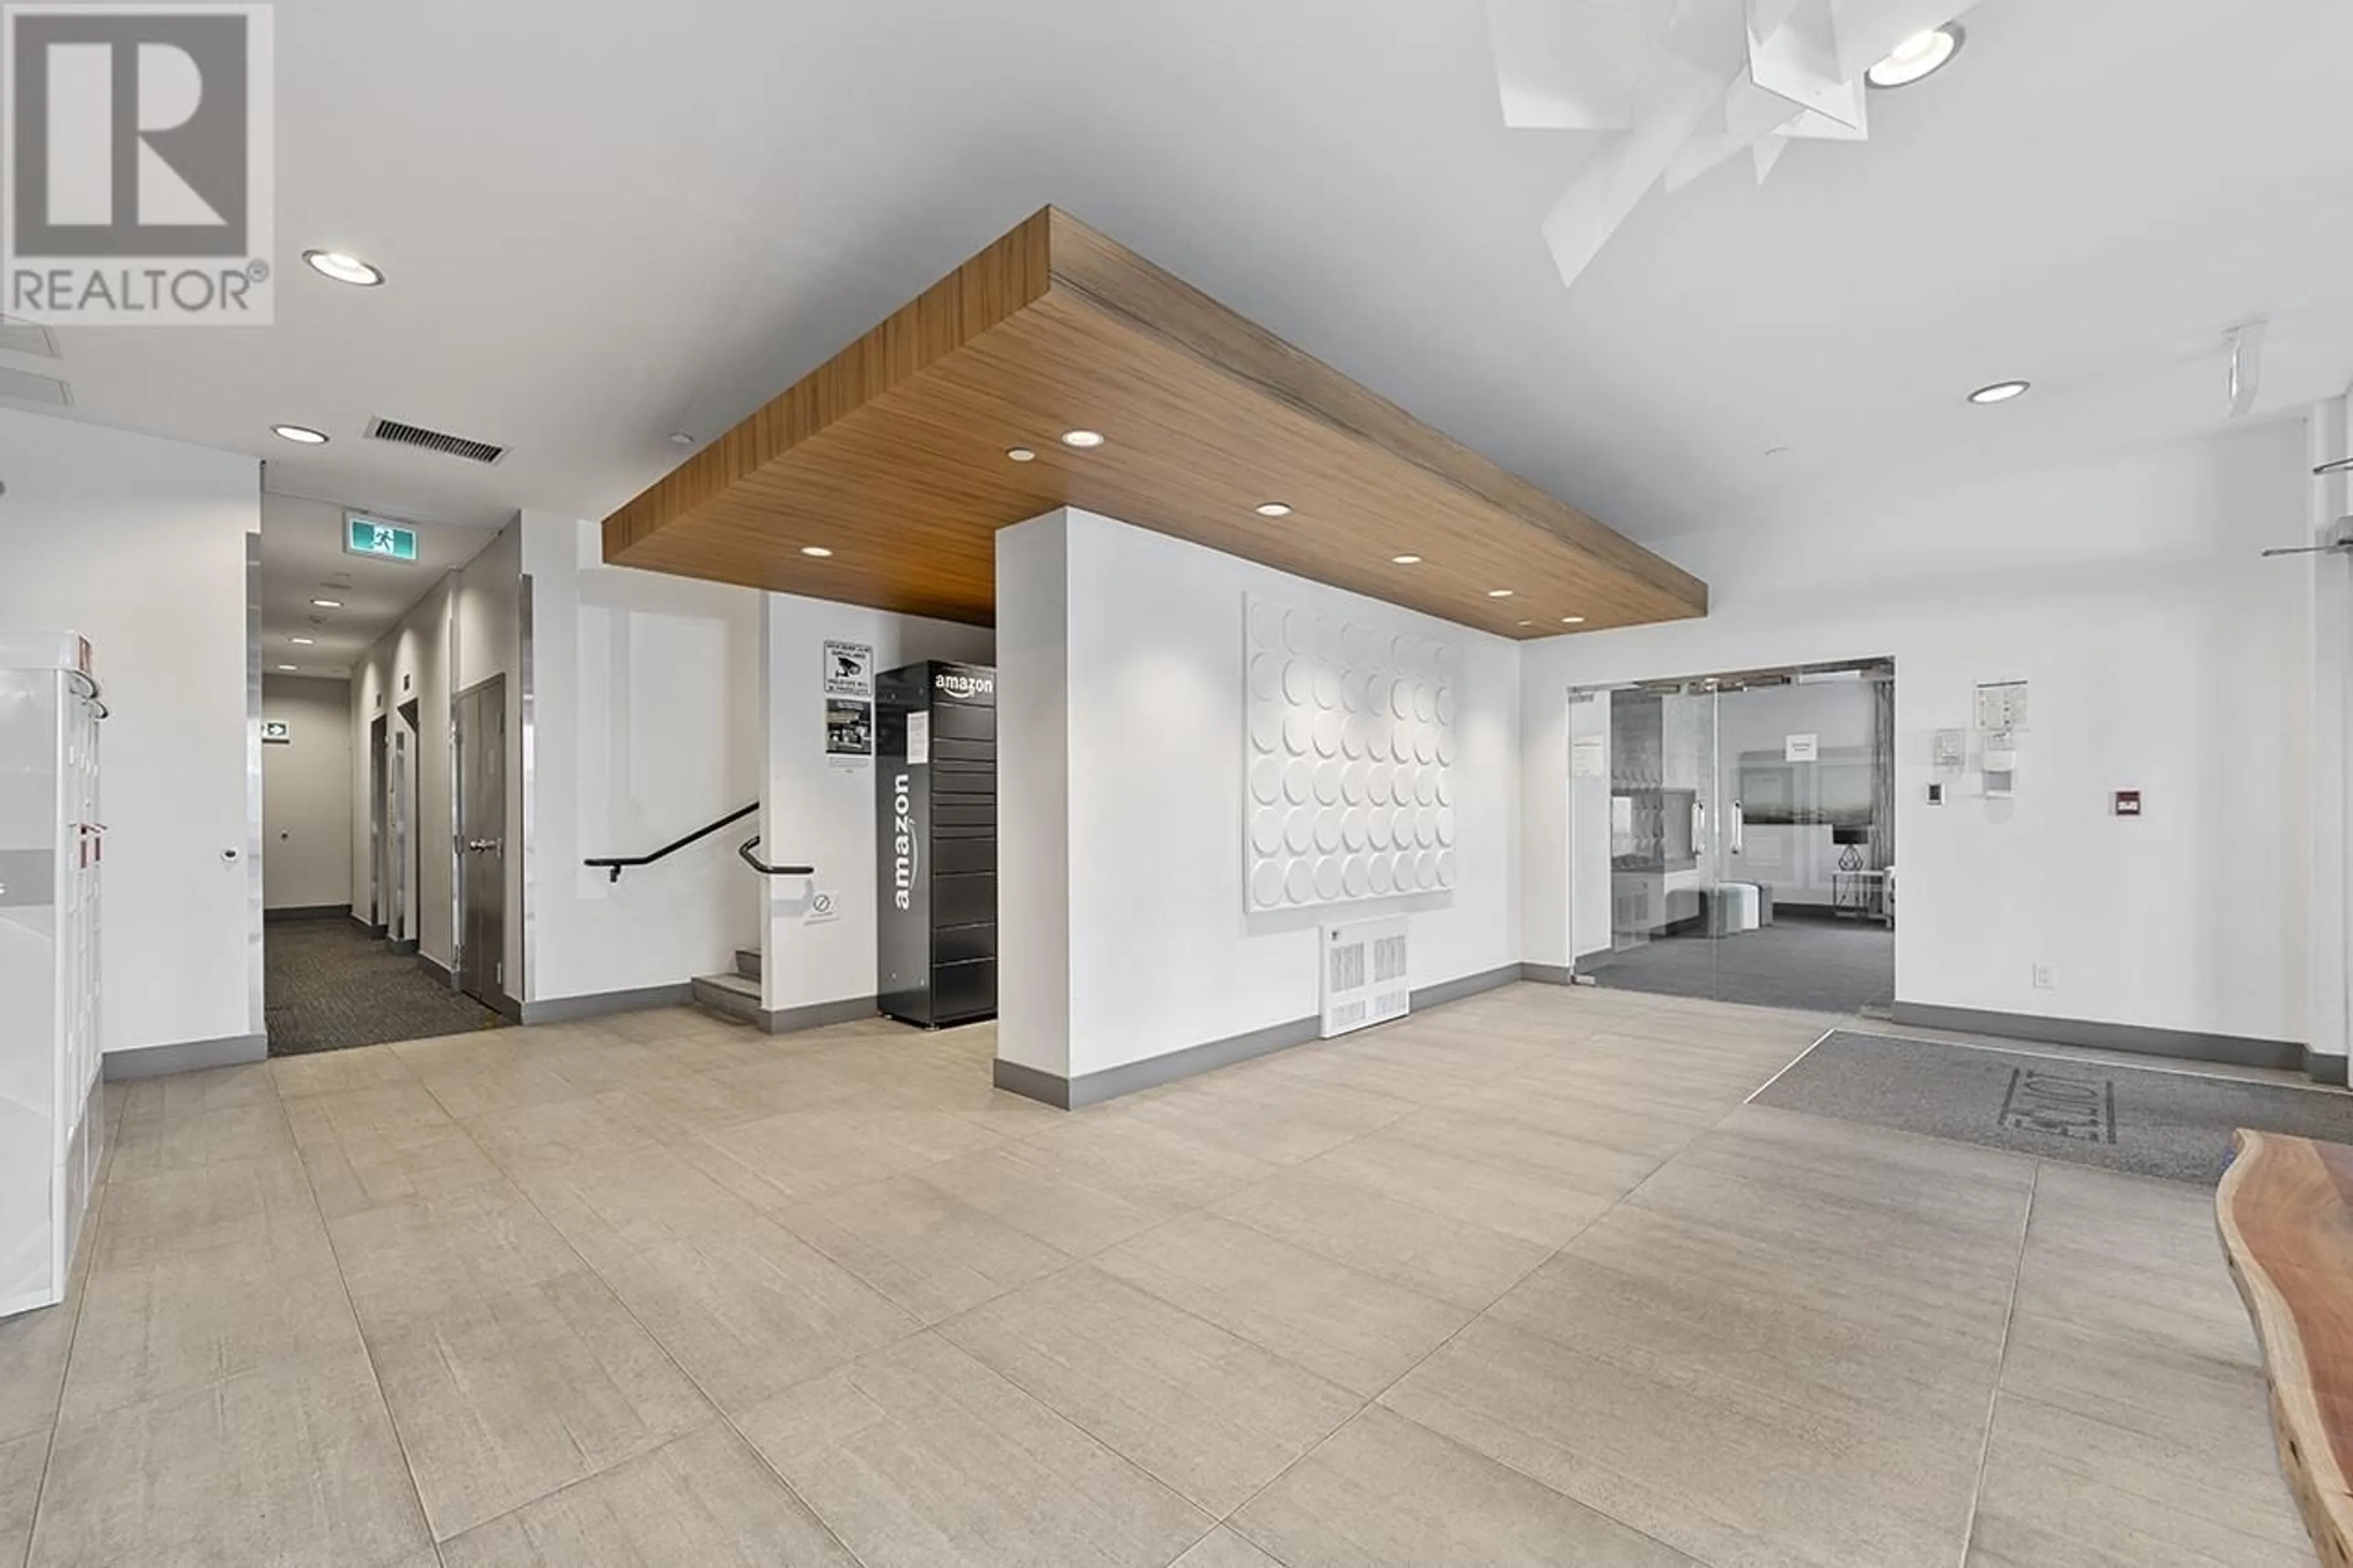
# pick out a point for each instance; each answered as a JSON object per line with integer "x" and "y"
{"x": 1520, "y": 1280}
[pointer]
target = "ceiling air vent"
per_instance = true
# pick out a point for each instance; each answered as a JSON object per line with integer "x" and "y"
{"x": 392, "y": 430}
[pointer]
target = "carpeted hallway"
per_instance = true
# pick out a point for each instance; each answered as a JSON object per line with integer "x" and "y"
{"x": 330, "y": 986}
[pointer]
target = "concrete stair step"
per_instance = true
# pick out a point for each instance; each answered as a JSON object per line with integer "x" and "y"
{"x": 747, "y": 963}
{"x": 729, "y": 995}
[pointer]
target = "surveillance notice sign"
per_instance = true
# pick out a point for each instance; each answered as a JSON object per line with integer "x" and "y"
{"x": 849, "y": 670}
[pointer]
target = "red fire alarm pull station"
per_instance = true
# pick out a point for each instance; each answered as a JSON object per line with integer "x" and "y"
{"x": 2128, "y": 803}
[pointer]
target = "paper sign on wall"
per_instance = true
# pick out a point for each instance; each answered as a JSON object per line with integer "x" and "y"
{"x": 276, "y": 733}
{"x": 823, "y": 908}
{"x": 1802, "y": 748}
{"x": 849, "y": 729}
{"x": 1588, "y": 757}
{"x": 2002, "y": 705}
{"x": 919, "y": 740}
{"x": 849, "y": 670}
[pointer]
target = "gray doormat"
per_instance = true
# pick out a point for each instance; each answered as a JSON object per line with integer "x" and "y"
{"x": 2172, "y": 1125}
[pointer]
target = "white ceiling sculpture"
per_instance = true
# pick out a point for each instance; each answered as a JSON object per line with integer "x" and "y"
{"x": 1673, "y": 88}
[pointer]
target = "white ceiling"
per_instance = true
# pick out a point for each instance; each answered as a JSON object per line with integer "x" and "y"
{"x": 303, "y": 558}
{"x": 604, "y": 223}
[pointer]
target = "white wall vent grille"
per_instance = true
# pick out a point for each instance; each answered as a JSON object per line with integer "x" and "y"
{"x": 402, "y": 435}
{"x": 1366, "y": 979}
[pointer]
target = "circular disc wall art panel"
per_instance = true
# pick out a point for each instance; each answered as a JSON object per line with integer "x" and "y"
{"x": 1348, "y": 743}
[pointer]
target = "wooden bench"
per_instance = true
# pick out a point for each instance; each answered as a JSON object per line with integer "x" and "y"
{"x": 2285, "y": 1213}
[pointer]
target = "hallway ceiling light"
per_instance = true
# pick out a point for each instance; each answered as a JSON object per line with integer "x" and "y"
{"x": 1021, "y": 454}
{"x": 1921, "y": 55}
{"x": 818, "y": 551}
{"x": 301, "y": 435}
{"x": 1999, "y": 392}
{"x": 1085, "y": 440}
{"x": 1405, "y": 560}
{"x": 1499, "y": 593}
{"x": 1527, "y": 622}
{"x": 1273, "y": 508}
{"x": 1572, "y": 620}
{"x": 290, "y": 668}
{"x": 328, "y": 604}
{"x": 303, "y": 642}
{"x": 344, "y": 267}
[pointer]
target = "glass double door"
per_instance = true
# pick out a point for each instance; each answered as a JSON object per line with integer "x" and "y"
{"x": 1731, "y": 838}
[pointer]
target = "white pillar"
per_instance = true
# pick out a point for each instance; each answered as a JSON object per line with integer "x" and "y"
{"x": 1033, "y": 806}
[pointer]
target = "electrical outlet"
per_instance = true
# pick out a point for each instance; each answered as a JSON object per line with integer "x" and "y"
{"x": 2046, "y": 977}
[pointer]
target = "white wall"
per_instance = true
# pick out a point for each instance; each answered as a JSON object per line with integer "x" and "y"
{"x": 2328, "y": 585}
{"x": 819, "y": 811}
{"x": 648, "y": 727}
{"x": 141, "y": 546}
{"x": 2163, "y": 656}
{"x": 1160, "y": 954}
{"x": 306, "y": 794}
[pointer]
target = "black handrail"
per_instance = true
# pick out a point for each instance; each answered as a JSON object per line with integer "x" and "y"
{"x": 617, "y": 864}
{"x": 762, "y": 867}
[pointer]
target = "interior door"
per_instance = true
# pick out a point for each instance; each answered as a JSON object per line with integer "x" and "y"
{"x": 379, "y": 743}
{"x": 481, "y": 743}
{"x": 399, "y": 860}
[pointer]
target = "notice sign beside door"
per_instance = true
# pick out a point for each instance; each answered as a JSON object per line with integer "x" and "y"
{"x": 1802, "y": 748}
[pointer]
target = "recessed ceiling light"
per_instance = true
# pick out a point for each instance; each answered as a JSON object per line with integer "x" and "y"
{"x": 328, "y": 604}
{"x": 1499, "y": 593}
{"x": 1021, "y": 454}
{"x": 1084, "y": 440}
{"x": 1273, "y": 508}
{"x": 1917, "y": 56}
{"x": 1527, "y": 623}
{"x": 1999, "y": 392}
{"x": 303, "y": 642}
{"x": 681, "y": 439}
{"x": 301, "y": 435}
{"x": 290, "y": 668}
{"x": 1572, "y": 620}
{"x": 1405, "y": 560}
{"x": 344, "y": 267}
{"x": 818, "y": 551}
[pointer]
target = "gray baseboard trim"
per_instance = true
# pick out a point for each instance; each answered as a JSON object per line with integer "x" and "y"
{"x": 2182, "y": 1044}
{"x": 1071, "y": 1094}
{"x": 565, "y": 1009}
{"x": 438, "y": 970}
{"x": 817, "y": 1015}
{"x": 1549, "y": 973}
{"x": 191, "y": 1055}
{"x": 402, "y": 948}
{"x": 1094, "y": 1088}
{"x": 1033, "y": 1083}
{"x": 1446, "y": 991}
{"x": 2324, "y": 1068}
{"x": 306, "y": 912}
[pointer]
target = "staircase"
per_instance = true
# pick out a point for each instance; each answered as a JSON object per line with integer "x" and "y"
{"x": 735, "y": 996}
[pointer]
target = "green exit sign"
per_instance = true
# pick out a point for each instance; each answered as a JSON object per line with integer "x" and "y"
{"x": 383, "y": 540}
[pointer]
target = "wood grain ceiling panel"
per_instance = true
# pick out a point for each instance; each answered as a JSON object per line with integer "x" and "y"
{"x": 893, "y": 456}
